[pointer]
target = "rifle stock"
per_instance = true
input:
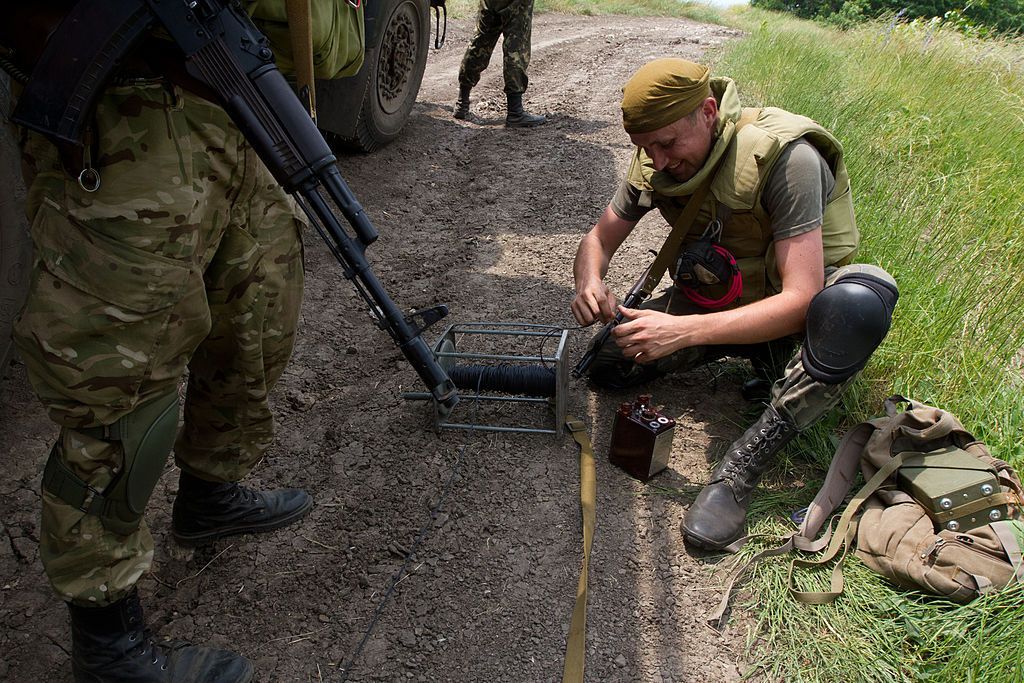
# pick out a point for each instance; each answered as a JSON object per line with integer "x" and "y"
{"x": 224, "y": 51}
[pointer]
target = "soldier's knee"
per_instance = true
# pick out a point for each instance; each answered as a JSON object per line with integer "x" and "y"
{"x": 846, "y": 321}
{"x": 146, "y": 436}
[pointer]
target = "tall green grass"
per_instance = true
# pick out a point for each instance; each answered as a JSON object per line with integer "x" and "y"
{"x": 933, "y": 127}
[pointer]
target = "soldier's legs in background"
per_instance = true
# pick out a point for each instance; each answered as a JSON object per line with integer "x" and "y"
{"x": 478, "y": 54}
{"x": 517, "y": 29}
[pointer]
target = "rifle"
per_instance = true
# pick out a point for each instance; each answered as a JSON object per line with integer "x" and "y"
{"x": 640, "y": 291}
{"x": 228, "y": 56}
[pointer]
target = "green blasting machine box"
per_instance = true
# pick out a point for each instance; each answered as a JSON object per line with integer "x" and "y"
{"x": 959, "y": 491}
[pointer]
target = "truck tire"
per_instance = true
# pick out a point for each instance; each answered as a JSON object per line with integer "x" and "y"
{"x": 393, "y": 72}
{"x": 15, "y": 246}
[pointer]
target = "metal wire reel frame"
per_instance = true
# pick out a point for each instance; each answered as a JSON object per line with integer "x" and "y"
{"x": 447, "y": 354}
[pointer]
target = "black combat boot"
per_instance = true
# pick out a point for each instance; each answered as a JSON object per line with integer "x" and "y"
{"x": 716, "y": 518}
{"x": 517, "y": 117}
{"x": 111, "y": 645}
{"x": 205, "y": 511}
{"x": 462, "y": 104}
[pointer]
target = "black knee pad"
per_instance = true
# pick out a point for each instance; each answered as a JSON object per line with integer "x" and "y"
{"x": 846, "y": 322}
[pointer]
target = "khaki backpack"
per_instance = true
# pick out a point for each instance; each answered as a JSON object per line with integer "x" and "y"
{"x": 889, "y": 530}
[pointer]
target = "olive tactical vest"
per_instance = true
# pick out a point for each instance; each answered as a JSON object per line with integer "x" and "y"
{"x": 735, "y": 197}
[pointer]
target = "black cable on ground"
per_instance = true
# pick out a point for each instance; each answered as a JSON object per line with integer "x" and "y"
{"x": 401, "y": 573}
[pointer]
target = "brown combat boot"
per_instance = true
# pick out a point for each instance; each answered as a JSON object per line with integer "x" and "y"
{"x": 517, "y": 117}
{"x": 716, "y": 517}
{"x": 112, "y": 645}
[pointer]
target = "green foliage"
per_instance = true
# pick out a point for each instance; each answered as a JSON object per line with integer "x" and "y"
{"x": 1003, "y": 16}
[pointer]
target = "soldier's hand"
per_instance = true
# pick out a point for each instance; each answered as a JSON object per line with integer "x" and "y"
{"x": 593, "y": 302}
{"x": 645, "y": 335}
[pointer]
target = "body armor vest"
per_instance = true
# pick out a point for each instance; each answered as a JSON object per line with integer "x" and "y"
{"x": 735, "y": 195}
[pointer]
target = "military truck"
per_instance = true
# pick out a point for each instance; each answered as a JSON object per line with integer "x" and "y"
{"x": 356, "y": 114}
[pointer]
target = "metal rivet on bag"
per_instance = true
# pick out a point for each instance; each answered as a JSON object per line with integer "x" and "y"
{"x": 953, "y": 526}
{"x": 986, "y": 489}
{"x": 995, "y": 515}
{"x": 945, "y": 503}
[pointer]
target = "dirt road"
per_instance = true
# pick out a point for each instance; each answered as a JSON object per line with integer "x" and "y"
{"x": 486, "y": 220}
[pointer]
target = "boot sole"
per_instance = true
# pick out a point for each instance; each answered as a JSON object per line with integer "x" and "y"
{"x": 204, "y": 537}
{"x": 705, "y": 544}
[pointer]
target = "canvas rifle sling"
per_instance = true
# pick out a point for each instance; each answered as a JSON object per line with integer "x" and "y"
{"x": 300, "y": 30}
{"x": 574, "y": 647}
{"x": 670, "y": 249}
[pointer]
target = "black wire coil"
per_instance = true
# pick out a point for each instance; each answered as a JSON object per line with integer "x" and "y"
{"x": 508, "y": 379}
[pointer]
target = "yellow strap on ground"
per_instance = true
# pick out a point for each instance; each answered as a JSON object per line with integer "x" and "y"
{"x": 574, "y": 647}
{"x": 300, "y": 29}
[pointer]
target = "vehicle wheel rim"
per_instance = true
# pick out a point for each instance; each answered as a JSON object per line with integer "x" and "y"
{"x": 397, "y": 58}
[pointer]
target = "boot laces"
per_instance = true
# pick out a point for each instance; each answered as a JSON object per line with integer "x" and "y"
{"x": 746, "y": 460}
{"x": 148, "y": 647}
{"x": 245, "y": 494}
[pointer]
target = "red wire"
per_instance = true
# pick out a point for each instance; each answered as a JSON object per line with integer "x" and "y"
{"x": 735, "y": 285}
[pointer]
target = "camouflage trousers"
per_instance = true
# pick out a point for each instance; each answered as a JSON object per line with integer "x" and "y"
{"x": 188, "y": 256}
{"x": 512, "y": 19}
{"x": 795, "y": 394}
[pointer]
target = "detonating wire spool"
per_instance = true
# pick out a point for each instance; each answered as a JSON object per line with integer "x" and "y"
{"x": 526, "y": 379}
{"x": 508, "y": 379}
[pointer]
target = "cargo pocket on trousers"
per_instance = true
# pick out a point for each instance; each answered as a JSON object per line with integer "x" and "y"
{"x": 96, "y": 311}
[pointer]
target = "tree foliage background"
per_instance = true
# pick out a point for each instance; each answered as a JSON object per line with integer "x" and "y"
{"x": 1003, "y": 16}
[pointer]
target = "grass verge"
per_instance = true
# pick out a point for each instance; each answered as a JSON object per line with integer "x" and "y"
{"x": 931, "y": 123}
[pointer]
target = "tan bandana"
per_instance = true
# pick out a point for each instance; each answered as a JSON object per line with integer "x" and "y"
{"x": 662, "y": 92}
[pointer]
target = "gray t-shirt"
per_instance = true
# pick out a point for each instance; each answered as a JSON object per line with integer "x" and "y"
{"x": 794, "y": 195}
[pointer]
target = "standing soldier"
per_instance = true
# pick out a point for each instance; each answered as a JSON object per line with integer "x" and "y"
{"x": 760, "y": 199}
{"x": 163, "y": 245}
{"x": 512, "y": 19}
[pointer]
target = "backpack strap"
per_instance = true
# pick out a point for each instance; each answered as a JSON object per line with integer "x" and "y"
{"x": 840, "y": 477}
{"x": 1011, "y": 543}
{"x": 842, "y": 539}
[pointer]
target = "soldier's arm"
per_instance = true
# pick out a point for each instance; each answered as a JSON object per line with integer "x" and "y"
{"x": 656, "y": 334}
{"x": 796, "y": 206}
{"x": 593, "y": 300}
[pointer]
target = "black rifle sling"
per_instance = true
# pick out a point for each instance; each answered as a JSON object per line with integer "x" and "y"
{"x": 98, "y": 33}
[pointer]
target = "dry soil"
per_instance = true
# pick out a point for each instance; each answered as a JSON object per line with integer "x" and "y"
{"x": 485, "y": 219}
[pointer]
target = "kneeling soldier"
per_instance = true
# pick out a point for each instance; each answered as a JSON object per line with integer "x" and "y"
{"x": 765, "y": 263}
